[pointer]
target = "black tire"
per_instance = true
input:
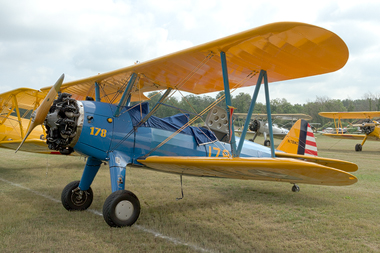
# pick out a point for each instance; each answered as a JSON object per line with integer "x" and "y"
{"x": 358, "y": 147}
{"x": 267, "y": 143}
{"x": 295, "y": 188}
{"x": 73, "y": 199}
{"x": 121, "y": 208}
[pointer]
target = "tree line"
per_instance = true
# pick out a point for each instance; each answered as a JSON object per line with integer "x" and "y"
{"x": 194, "y": 104}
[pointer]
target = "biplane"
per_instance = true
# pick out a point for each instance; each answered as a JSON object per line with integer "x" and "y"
{"x": 16, "y": 108}
{"x": 107, "y": 119}
{"x": 369, "y": 128}
{"x": 258, "y": 126}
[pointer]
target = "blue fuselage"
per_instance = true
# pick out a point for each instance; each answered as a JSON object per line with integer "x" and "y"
{"x": 102, "y": 134}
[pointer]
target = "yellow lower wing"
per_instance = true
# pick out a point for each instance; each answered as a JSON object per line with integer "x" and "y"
{"x": 269, "y": 169}
{"x": 346, "y": 136}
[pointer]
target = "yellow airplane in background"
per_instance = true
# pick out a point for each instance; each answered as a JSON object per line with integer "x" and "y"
{"x": 16, "y": 107}
{"x": 370, "y": 128}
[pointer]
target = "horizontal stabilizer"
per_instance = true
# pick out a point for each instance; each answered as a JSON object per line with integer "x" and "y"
{"x": 329, "y": 162}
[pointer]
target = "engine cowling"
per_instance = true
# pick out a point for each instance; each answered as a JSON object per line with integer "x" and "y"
{"x": 61, "y": 124}
{"x": 367, "y": 129}
{"x": 255, "y": 126}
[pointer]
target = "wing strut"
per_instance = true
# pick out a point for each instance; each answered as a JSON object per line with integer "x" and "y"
{"x": 228, "y": 102}
{"x": 340, "y": 125}
{"x": 126, "y": 94}
{"x": 267, "y": 101}
{"x": 250, "y": 111}
{"x": 97, "y": 92}
{"x": 18, "y": 116}
{"x": 262, "y": 75}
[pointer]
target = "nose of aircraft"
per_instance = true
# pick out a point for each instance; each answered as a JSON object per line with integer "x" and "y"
{"x": 61, "y": 123}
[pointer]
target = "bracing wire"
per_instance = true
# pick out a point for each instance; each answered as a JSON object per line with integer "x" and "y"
{"x": 178, "y": 86}
{"x": 198, "y": 116}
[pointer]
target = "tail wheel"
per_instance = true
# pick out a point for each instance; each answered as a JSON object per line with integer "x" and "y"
{"x": 358, "y": 147}
{"x": 121, "y": 208}
{"x": 74, "y": 199}
{"x": 295, "y": 188}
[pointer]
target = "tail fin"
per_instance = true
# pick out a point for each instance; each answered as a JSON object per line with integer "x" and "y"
{"x": 300, "y": 140}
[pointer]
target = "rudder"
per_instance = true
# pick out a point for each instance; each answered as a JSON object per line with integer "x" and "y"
{"x": 300, "y": 140}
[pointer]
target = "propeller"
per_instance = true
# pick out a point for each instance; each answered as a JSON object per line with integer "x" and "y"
{"x": 39, "y": 115}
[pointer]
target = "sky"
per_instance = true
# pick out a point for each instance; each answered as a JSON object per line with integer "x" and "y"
{"x": 41, "y": 39}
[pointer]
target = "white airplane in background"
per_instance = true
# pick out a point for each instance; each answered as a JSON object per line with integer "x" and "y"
{"x": 258, "y": 126}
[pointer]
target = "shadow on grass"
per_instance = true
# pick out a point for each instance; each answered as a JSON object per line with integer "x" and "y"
{"x": 254, "y": 195}
{"x": 344, "y": 151}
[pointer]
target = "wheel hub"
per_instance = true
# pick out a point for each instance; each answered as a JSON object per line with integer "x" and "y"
{"x": 78, "y": 197}
{"x": 124, "y": 210}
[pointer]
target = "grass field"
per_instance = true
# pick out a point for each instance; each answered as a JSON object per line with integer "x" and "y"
{"x": 216, "y": 215}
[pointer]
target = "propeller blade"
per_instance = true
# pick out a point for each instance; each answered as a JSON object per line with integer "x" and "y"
{"x": 39, "y": 115}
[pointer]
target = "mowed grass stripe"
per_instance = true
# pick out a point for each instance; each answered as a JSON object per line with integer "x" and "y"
{"x": 96, "y": 212}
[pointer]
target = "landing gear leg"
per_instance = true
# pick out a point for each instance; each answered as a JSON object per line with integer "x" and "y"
{"x": 78, "y": 195}
{"x": 359, "y": 147}
{"x": 254, "y": 137}
{"x": 122, "y": 207}
{"x": 295, "y": 188}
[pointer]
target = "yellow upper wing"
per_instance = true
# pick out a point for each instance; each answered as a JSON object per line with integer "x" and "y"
{"x": 26, "y": 99}
{"x": 286, "y": 50}
{"x": 350, "y": 115}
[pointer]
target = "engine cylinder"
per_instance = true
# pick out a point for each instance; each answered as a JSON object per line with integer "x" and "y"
{"x": 61, "y": 123}
{"x": 255, "y": 126}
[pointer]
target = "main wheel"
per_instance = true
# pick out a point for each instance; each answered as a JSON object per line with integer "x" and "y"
{"x": 121, "y": 208}
{"x": 267, "y": 143}
{"x": 295, "y": 188}
{"x": 358, "y": 147}
{"x": 74, "y": 199}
